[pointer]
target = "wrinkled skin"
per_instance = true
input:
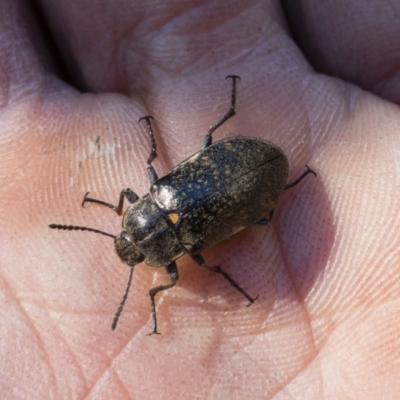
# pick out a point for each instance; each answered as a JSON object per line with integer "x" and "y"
{"x": 326, "y": 324}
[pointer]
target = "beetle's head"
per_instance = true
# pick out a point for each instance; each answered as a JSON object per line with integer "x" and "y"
{"x": 127, "y": 251}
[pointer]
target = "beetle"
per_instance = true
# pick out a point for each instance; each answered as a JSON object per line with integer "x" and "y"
{"x": 222, "y": 189}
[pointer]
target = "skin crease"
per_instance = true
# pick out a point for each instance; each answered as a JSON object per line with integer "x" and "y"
{"x": 326, "y": 270}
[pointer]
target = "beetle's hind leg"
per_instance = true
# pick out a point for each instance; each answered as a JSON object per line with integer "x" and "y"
{"x": 128, "y": 194}
{"x": 300, "y": 178}
{"x": 200, "y": 260}
{"x": 173, "y": 274}
{"x": 230, "y": 113}
{"x": 153, "y": 154}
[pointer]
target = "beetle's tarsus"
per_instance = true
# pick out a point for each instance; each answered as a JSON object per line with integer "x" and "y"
{"x": 146, "y": 117}
{"x": 251, "y": 302}
{"x": 103, "y": 203}
{"x": 84, "y": 199}
{"x": 301, "y": 177}
{"x": 126, "y": 193}
{"x": 153, "y": 332}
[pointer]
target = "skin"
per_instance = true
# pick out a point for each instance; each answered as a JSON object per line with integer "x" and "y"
{"x": 326, "y": 270}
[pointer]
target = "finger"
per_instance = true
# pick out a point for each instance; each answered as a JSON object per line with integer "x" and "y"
{"x": 358, "y": 41}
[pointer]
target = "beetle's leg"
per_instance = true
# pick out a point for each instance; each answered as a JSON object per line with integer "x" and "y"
{"x": 303, "y": 175}
{"x": 200, "y": 260}
{"x": 121, "y": 305}
{"x": 231, "y": 112}
{"x": 150, "y": 169}
{"x": 125, "y": 194}
{"x": 173, "y": 274}
{"x": 266, "y": 221}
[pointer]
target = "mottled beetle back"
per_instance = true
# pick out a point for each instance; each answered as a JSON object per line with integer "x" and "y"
{"x": 221, "y": 190}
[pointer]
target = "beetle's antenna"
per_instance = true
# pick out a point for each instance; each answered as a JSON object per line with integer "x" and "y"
{"x": 79, "y": 228}
{"x": 121, "y": 306}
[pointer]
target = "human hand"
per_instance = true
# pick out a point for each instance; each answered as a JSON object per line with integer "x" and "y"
{"x": 326, "y": 270}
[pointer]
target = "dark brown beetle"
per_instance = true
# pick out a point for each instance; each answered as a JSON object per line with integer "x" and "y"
{"x": 214, "y": 194}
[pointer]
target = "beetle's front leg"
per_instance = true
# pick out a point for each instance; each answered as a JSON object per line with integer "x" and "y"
{"x": 121, "y": 306}
{"x": 153, "y": 154}
{"x": 126, "y": 193}
{"x": 173, "y": 274}
{"x": 200, "y": 260}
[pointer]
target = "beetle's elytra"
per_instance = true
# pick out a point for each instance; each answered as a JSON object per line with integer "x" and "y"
{"x": 214, "y": 194}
